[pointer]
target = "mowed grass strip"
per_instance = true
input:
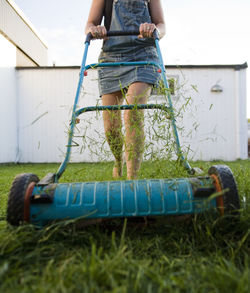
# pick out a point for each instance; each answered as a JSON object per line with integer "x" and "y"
{"x": 204, "y": 254}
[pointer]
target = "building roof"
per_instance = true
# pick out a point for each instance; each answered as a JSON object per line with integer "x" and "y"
{"x": 232, "y": 66}
{"x": 26, "y": 20}
{"x": 15, "y": 27}
{"x": 181, "y": 66}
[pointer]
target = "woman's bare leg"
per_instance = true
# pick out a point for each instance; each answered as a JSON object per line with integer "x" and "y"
{"x": 113, "y": 130}
{"x": 138, "y": 93}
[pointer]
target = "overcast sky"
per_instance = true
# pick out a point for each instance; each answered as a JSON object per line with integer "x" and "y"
{"x": 198, "y": 31}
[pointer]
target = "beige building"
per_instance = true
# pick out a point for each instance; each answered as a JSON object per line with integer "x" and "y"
{"x": 20, "y": 44}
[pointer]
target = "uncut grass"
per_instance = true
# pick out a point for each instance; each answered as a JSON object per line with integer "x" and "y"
{"x": 204, "y": 254}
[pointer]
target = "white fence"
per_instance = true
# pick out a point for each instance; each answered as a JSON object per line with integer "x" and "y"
{"x": 36, "y": 108}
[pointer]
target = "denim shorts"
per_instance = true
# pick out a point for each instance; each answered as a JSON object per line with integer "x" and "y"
{"x": 112, "y": 79}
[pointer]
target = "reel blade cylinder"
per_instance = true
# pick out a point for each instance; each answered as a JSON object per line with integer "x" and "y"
{"x": 114, "y": 199}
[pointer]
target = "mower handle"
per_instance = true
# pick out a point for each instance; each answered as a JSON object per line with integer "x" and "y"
{"x": 89, "y": 36}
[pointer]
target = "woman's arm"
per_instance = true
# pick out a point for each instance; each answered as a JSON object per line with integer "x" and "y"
{"x": 95, "y": 18}
{"x": 158, "y": 22}
{"x": 157, "y": 16}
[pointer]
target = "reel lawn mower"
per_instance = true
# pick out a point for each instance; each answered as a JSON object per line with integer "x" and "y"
{"x": 43, "y": 201}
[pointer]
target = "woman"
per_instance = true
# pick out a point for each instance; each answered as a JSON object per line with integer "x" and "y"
{"x": 135, "y": 82}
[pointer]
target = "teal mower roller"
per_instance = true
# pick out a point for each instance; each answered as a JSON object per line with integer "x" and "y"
{"x": 41, "y": 202}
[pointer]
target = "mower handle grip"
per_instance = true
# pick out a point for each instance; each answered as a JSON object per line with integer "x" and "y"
{"x": 89, "y": 36}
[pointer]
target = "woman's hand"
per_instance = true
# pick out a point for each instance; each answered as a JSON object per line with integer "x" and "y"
{"x": 98, "y": 32}
{"x": 146, "y": 30}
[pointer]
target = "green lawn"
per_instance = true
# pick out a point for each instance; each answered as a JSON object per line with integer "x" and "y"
{"x": 203, "y": 254}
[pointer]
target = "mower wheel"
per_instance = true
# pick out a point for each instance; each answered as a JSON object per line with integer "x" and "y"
{"x": 17, "y": 197}
{"x": 229, "y": 202}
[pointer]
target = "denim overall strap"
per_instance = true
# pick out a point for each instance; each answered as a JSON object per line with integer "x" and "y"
{"x": 128, "y": 15}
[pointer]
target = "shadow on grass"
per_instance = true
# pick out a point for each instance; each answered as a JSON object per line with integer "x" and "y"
{"x": 127, "y": 255}
{"x": 204, "y": 253}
